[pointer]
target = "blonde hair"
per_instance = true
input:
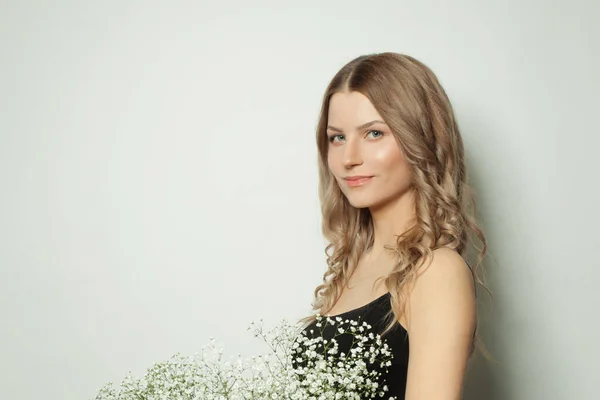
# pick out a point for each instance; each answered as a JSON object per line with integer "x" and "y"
{"x": 412, "y": 102}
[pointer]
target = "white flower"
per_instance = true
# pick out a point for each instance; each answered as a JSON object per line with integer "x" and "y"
{"x": 298, "y": 368}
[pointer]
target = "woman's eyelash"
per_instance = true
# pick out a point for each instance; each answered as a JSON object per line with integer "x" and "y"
{"x": 376, "y": 131}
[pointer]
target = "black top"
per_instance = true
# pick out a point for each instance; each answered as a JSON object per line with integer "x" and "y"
{"x": 373, "y": 313}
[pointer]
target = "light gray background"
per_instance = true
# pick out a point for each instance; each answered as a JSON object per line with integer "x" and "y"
{"x": 159, "y": 185}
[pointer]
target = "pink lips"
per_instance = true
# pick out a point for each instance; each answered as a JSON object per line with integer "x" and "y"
{"x": 353, "y": 181}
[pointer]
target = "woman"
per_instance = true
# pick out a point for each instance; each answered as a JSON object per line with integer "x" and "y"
{"x": 395, "y": 207}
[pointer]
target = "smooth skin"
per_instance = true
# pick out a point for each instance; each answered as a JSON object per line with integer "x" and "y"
{"x": 440, "y": 314}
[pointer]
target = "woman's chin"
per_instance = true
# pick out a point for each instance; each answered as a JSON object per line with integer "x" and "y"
{"x": 360, "y": 203}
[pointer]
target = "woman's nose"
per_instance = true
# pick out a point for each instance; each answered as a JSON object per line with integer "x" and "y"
{"x": 352, "y": 154}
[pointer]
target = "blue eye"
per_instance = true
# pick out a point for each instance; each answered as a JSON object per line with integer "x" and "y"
{"x": 332, "y": 137}
{"x": 379, "y": 132}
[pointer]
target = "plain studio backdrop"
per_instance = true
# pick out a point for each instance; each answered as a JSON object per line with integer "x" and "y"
{"x": 158, "y": 178}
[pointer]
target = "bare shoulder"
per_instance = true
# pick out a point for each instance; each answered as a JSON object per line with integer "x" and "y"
{"x": 445, "y": 284}
{"x": 441, "y": 318}
{"x": 446, "y": 264}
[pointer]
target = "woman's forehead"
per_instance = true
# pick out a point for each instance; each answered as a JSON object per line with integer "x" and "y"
{"x": 349, "y": 110}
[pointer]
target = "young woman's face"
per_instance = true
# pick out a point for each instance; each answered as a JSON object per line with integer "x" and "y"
{"x": 361, "y": 144}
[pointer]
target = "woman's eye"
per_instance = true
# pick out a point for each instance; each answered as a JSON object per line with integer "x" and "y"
{"x": 332, "y": 138}
{"x": 379, "y": 133}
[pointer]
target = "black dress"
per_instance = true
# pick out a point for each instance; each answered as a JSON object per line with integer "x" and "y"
{"x": 397, "y": 339}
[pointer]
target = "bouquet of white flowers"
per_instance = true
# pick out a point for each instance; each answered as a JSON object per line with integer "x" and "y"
{"x": 301, "y": 366}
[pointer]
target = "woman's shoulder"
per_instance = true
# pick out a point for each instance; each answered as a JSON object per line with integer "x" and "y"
{"x": 444, "y": 286}
{"x": 448, "y": 256}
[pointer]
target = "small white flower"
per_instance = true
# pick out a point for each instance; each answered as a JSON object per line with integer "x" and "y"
{"x": 317, "y": 370}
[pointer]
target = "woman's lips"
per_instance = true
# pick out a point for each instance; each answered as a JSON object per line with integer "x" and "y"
{"x": 358, "y": 181}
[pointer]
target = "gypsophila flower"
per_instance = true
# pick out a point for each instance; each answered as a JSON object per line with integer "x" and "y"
{"x": 301, "y": 366}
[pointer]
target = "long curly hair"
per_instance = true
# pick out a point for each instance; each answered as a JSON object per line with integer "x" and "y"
{"x": 412, "y": 102}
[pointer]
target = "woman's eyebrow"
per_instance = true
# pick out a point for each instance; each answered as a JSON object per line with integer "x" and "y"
{"x": 363, "y": 126}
